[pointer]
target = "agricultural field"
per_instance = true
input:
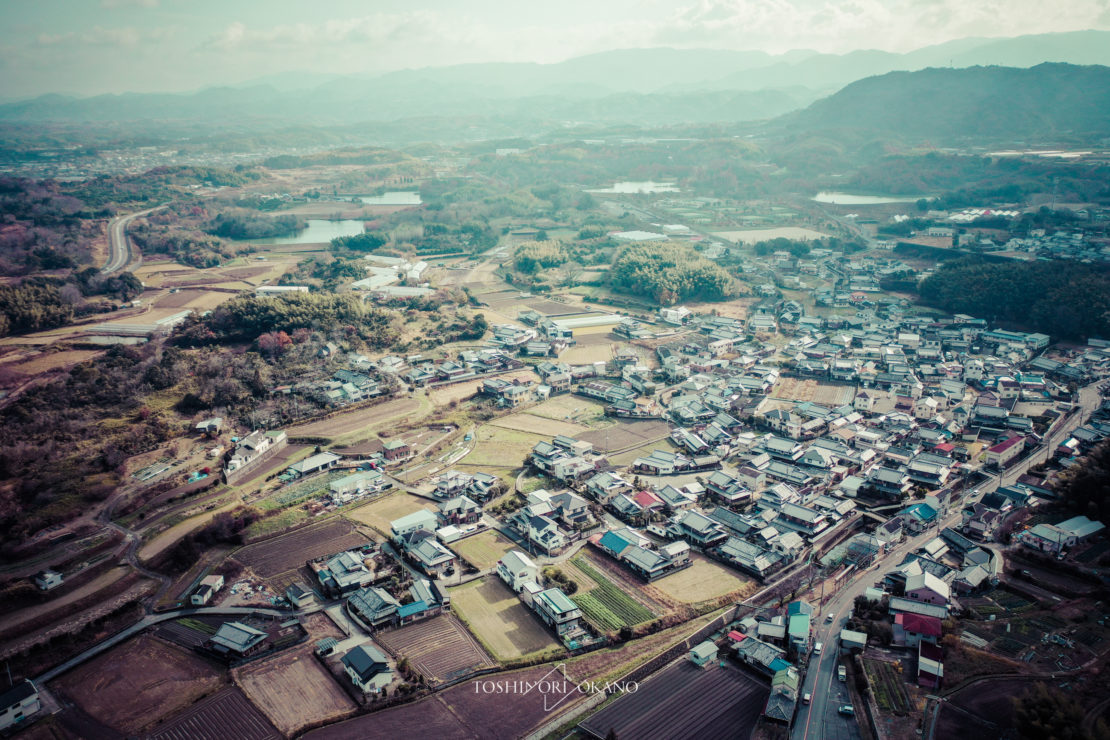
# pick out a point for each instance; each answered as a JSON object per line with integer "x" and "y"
{"x": 625, "y": 434}
{"x": 751, "y": 236}
{"x": 498, "y": 447}
{"x": 499, "y": 620}
{"x": 685, "y": 701}
{"x": 290, "y": 551}
{"x": 888, "y": 685}
{"x": 526, "y": 422}
{"x": 650, "y": 597}
{"x": 483, "y": 550}
{"x": 380, "y": 512}
{"x": 293, "y": 690}
{"x": 606, "y": 605}
{"x": 140, "y": 682}
{"x": 439, "y": 648}
{"x": 702, "y": 581}
{"x": 221, "y": 715}
{"x": 800, "y": 390}
{"x": 573, "y": 409}
{"x": 362, "y": 422}
{"x": 587, "y": 353}
{"x": 464, "y": 712}
{"x": 47, "y": 361}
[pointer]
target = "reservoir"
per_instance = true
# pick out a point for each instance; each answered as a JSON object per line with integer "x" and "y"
{"x": 396, "y": 198}
{"x": 647, "y": 186}
{"x": 847, "y": 199}
{"x": 318, "y": 230}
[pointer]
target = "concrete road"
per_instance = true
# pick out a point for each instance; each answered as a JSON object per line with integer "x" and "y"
{"x": 119, "y": 246}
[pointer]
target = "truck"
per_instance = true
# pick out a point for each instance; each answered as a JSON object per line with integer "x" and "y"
{"x": 842, "y": 673}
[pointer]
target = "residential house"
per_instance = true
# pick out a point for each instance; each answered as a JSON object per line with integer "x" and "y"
{"x": 47, "y": 580}
{"x": 910, "y": 629}
{"x": 517, "y": 570}
{"x": 18, "y": 703}
{"x": 928, "y": 589}
{"x": 558, "y": 612}
{"x": 368, "y": 668}
{"x": 236, "y": 640}
{"x": 372, "y": 607}
{"x": 930, "y": 665}
{"x": 427, "y": 553}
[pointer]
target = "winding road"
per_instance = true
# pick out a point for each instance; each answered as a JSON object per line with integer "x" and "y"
{"x": 119, "y": 246}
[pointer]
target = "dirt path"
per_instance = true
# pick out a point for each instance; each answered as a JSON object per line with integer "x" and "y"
{"x": 31, "y": 612}
{"x": 179, "y": 530}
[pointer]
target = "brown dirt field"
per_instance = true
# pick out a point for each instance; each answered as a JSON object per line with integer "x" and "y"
{"x": 587, "y": 354}
{"x": 292, "y": 689}
{"x": 626, "y": 434}
{"x": 54, "y": 360}
{"x": 566, "y": 407}
{"x": 440, "y": 648}
{"x": 136, "y": 684}
{"x": 201, "y": 300}
{"x": 226, "y": 714}
{"x": 525, "y": 422}
{"x": 465, "y": 712}
{"x": 354, "y": 421}
{"x": 500, "y": 447}
{"x": 290, "y": 551}
{"x": 499, "y": 619}
{"x": 796, "y": 389}
{"x": 378, "y": 514}
{"x": 703, "y": 580}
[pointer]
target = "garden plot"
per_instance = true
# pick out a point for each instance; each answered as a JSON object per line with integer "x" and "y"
{"x": 439, "y": 648}
{"x": 606, "y": 605}
{"x": 504, "y": 626}
{"x": 379, "y": 513}
{"x": 294, "y": 690}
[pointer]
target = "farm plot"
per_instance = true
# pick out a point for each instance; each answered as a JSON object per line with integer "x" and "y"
{"x": 625, "y": 434}
{"x": 499, "y": 620}
{"x": 889, "y": 688}
{"x": 293, "y": 690}
{"x": 572, "y": 409}
{"x": 467, "y": 711}
{"x": 526, "y": 422}
{"x": 288, "y": 552}
{"x": 440, "y": 648}
{"x": 189, "y": 632}
{"x": 650, "y": 597}
{"x": 48, "y": 361}
{"x": 483, "y": 550}
{"x": 378, "y": 514}
{"x": 607, "y": 606}
{"x": 684, "y": 701}
{"x": 586, "y": 353}
{"x": 365, "y": 420}
{"x": 226, "y": 714}
{"x": 495, "y": 446}
{"x": 825, "y": 394}
{"x": 702, "y": 581}
{"x": 140, "y": 682}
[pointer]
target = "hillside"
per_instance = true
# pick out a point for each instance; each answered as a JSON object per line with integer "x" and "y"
{"x": 1049, "y": 100}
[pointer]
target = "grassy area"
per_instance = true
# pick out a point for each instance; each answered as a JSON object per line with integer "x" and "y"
{"x": 607, "y": 605}
{"x": 482, "y": 550}
{"x": 274, "y": 524}
{"x": 197, "y": 625}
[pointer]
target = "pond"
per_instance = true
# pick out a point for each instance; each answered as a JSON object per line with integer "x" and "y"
{"x": 393, "y": 198}
{"x": 848, "y": 199}
{"x": 318, "y": 231}
{"x": 646, "y": 186}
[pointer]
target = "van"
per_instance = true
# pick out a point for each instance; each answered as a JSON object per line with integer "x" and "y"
{"x": 817, "y": 648}
{"x": 842, "y": 673}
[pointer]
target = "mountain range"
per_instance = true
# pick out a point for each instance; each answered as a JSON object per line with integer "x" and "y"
{"x": 633, "y": 86}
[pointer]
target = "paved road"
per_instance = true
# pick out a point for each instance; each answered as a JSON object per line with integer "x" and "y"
{"x": 119, "y": 246}
{"x": 820, "y": 719}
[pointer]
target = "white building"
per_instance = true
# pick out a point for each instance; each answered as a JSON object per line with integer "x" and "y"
{"x": 516, "y": 569}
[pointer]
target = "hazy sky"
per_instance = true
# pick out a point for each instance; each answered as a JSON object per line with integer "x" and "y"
{"x": 96, "y": 46}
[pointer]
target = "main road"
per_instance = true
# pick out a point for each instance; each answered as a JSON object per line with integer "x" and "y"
{"x": 119, "y": 246}
{"x": 820, "y": 719}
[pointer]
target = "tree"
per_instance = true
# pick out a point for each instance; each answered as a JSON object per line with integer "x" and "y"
{"x": 1046, "y": 713}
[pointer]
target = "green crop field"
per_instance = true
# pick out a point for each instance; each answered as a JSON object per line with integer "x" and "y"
{"x": 606, "y": 605}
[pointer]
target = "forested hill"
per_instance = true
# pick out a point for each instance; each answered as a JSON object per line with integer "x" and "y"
{"x": 1049, "y": 100}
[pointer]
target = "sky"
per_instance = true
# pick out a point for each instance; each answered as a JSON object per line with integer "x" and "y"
{"x": 89, "y": 47}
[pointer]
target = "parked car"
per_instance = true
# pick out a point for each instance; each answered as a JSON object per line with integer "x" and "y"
{"x": 842, "y": 673}
{"x": 847, "y": 709}
{"x": 829, "y": 617}
{"x": 817, "y": 648}
{"x": 806, "y": 698}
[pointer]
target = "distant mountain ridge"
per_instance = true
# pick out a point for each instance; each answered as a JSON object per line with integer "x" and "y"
{"x": 649, "y": 86}
{"x": 978, "y": 102}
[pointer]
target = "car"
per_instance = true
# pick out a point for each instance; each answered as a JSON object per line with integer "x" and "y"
{"x": 817, "y": 648}
{"x": 842, "y": 673}
{"x": 829, "y": 617}
{"x": 847, "y": 709}
{"x": 806, "y": 698}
